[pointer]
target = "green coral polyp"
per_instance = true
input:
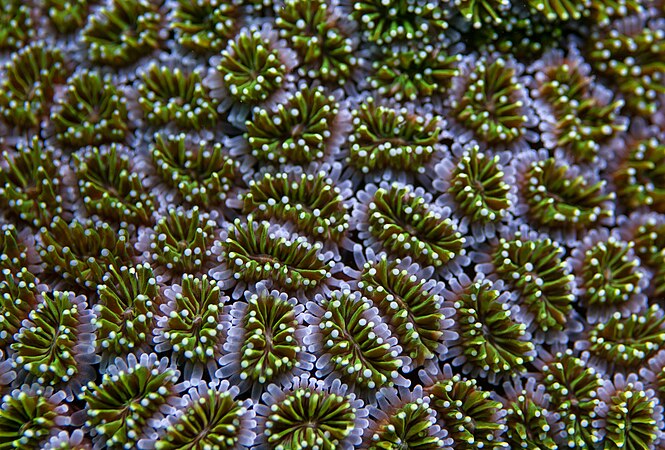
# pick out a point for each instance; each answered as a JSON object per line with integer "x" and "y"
{"x": 610, "y": 275}
{"x": 404, "y": 20}
{"x": 122, "y": 32}
{"x": 625, "y": 342}
{"x": 406, "y": 225}
{"x": 583, "y": 129}
{"x": 92, "y": 113}
{"x": 310, "y": 202}
{"x": 307, "y": 417}
{"x": 125, "y": 312}
{"x": 536, "y": 270}
{"x": 572, "y": 387}
{"x": 254, "y": 252}
{"x": 640, "y": 178}
{"x": 119, "y": 406}
{"x": 411, "y": 310}
{"x": 270, "y": 346}
{"x": 173, "y": 96}
{"x": 631, "y": 404}
{"x": 359, "y": 353}
{"x": 388, "y": 138}
{"x": 211, "y": 421}
{"x": 556, "y": 198}
{"x": 478, "y": 187}
{"x": 67, "y": 15}
{"x": 297, "y": 131}
{"x": 28, "y": 84}
{"x": 480, "y": 12}
{"x": 633, "y": 60}
{"x": 16, "y": 24}
{"x": 26, "y": 419}
{"x": 110, "y": 188}
{"x": 193, "y": 326}
{"x": 407, "y": 427}
{"x": 13, "y": 250}
{"x": 30, "y": 183}
{"x": 527, "y": 424}
{"x": 468, "y": 413}
{"x": 491, "y": 104}
{"x": 492, "y": 341}
{"x": 18, "y": 297}
{"x": 205, "y": 25}
{"x": 251, "y": 68}
{"x": 82, "y": 252}
{"x": 46, "y": 348}
{"x": 181, "y": 240}
{"x": 408, "y": 74}
{"x": 561, "y": 9}
{"x": 326, "y": 52}
{"x": 204, "y": 174}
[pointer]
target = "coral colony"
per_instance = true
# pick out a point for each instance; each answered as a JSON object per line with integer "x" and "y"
{"x": 332, "y": 224}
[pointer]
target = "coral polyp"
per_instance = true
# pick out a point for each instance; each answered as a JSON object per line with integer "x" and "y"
{"x": 410, "y": 302}
{"x": 256, "y": 251}
{"x": 473, "y": 419}
{"x": 316, "y": 31}
{"x": 67, "y": 16}
{"x": 192, "y": 324}
{"x": 311, "y": 202}
{"x": 388, "y": 138}
{"x": 133, "y": 393}
{"x": 173, "y": 96}
{"x": 308, "y": 415}
{"x": 109, "y": 186}
{"x": 205, "y": 25}
{"x": 558, "y": 196}
{"x": 405, "y": 20}
{"x": 609, "y": 276}
{"x": 403, "y": 419}
{"x": 300, "y": 130}
{"x": 28, "y": 83}
{"x": 623, "y": 343}
{"x": 572, "y": 386}
{"x": 489, "y": 100}
{"x": 181, "y": 241}
{"x": 401, "y": 220}
{"x": 412, "y": 74}
{"x": 31, "y": 186}
{"x": 630, "y": 52}
{"x": 647, "y": 231}
{"x": 55, "y": 346}
{"x": 265, "y": 344}
{"x": 16, "y": 24}
{"x": 126, "y": 310}
{"x": 30, "y": 414}
{"x": 529, "y": 423}
{"x": 253, "y": 66}
{"x": 535, "y": 268}
{"x": 355, "y": 343}
{"x": 203, "y": 173}
{"x": 478, "y": 186}
{"x": 479, "y": 12}
{"x": 18, "y": 298}
{"x": 122, "y": 32}
{"x": 79, "y": 253}
{"x": 492, "y": 342}
{"x": 212, "y": 418}
{"x": 640, "y": 175}
{"x": 92, "y": 113}
{"x": 624, "y": 400}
